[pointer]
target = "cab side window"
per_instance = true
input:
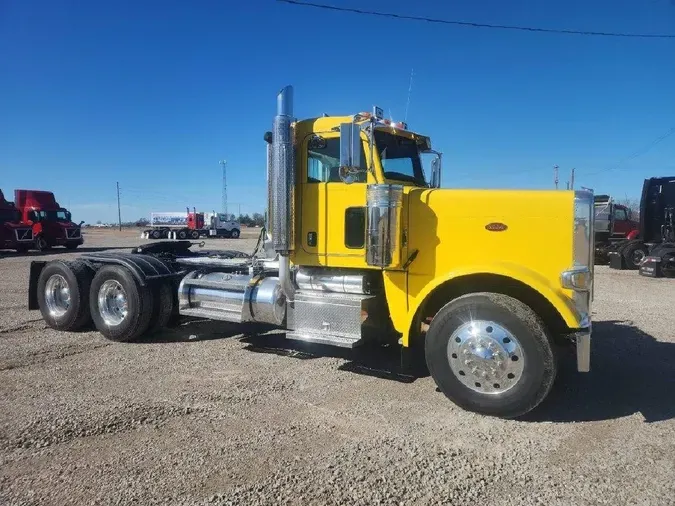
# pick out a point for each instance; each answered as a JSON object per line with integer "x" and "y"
{"x": 620, "y": 215}
{"x": 323, "y": 161}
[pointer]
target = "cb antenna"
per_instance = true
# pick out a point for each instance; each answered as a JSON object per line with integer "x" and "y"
{"x": 407, "y": 105}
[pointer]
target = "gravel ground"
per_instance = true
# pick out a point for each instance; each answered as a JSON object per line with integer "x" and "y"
{"x": 204, "y": 415}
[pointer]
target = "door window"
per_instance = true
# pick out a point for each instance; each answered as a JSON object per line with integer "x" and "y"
{"x": 323, "y": 161}
{"x": 620, "y": 215}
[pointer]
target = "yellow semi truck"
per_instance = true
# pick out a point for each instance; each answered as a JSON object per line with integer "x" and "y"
{"x": 362, "y": 245}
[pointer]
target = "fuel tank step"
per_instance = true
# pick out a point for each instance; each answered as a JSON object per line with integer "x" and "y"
{"x": 321, "y": 317}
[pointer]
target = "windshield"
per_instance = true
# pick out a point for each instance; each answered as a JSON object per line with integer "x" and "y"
{"x": 60, "y": 215}
{"x": 400, "y": 158}
{"x": 9, "y": 215}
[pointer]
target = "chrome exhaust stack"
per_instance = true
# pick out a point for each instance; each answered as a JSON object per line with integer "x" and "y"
{"x": 281, "y": 188}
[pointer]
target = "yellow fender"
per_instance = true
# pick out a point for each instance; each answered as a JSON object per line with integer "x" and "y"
{"x": 559, "y": 298}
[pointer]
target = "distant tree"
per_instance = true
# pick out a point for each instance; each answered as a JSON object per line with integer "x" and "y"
{"x": 98, "y": 222}
{"x": 245, "y": 219}
{"x": 258, "y": 219}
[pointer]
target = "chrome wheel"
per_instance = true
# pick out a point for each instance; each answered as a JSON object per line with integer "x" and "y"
{"x": 112, "y": 302}
{"x": 485, "y": 357}
{"x": 57, "y": 295}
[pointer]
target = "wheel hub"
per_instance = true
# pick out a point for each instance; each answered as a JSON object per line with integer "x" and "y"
{"x": 485, "y": 357}
{"x": 57, "y": 295}
{"x": 112, "y": 302}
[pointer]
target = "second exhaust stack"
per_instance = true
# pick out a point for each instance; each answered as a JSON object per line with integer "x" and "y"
{"x": 282, "y": 175}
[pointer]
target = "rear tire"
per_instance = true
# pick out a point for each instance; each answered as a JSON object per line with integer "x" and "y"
{"x": 155, "y": 234}
{"x": 120, "y": 307}
{"x": 491, "y": 354}
{"x": 63, "y": 294}
{"x": 162, "y": 307}
{"x": 182, "y": 234}
{"x": 667, "y": 262}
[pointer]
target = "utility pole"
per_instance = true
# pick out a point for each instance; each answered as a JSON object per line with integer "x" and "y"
{"x": 223, "y": 163}
{"x": 119, "y": 210}
{"x": 572, "y": 180}
{"x": 555, "y": 176}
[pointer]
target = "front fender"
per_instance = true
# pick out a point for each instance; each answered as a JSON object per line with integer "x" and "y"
{"x": 550, "y": 289}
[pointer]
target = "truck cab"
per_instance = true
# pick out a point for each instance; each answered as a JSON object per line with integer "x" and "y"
{"x": 52, "y": 224}
{"x": 14, "y": 233}
{"x": 612, "y": 220}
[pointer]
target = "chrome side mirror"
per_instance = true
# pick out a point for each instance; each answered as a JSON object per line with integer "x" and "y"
{"x": 350, "y": 152}
{"x": 436, "y": 172}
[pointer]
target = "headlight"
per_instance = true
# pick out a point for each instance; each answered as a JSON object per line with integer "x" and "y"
{"x": 583, "y": 229}
{"x": 579, "y": 278}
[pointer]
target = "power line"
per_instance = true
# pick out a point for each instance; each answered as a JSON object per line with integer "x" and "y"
{"x": 637, "y": 153}
{"x": 478, "y": 25}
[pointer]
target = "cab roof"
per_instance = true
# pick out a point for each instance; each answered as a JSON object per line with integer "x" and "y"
{"x": 327, "y": 123}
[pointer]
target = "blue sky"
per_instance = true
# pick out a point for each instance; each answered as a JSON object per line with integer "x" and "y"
{"x": 154, "y": 93}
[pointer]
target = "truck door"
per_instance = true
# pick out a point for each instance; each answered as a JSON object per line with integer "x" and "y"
{"x": 621, "y": 223}
{"x": 333, "y": 212}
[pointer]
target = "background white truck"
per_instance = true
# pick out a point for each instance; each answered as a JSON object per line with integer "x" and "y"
{"x": 190, "y": 225}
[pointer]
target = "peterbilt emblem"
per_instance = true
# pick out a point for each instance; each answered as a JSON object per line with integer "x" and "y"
{"x": 496, "y": 227}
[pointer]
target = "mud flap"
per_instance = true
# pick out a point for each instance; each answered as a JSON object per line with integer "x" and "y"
{"x": 36, "y": 267}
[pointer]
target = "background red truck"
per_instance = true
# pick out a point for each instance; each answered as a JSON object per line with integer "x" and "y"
{"x": 51, "y": 223}
{"x": 14, "y": 234}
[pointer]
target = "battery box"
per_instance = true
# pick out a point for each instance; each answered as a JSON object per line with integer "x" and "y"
{"x": 651, "y": 267}
{"x": 616, "y": 261}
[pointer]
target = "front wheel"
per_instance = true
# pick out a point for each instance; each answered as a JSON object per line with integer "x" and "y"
{"x": 194, "y": 234}
{"x": 234, "y": 234}
{"x": 633, "y": 253}
{"x": 41, "y": 243}
{"x": 491, "y": 354}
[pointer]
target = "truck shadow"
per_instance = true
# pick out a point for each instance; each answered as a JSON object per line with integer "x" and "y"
{"x": 631, "y": 372}
{"x": 369, "y": 360}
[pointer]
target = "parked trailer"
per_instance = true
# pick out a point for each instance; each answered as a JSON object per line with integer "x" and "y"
{"x": 652, "y": 252}
{"x": 370, "y": 257}
{"x": 14, "y": 233}
{"x": 192, "y": 225}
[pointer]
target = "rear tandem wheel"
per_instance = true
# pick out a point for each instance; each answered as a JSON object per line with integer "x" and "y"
{"x": 63, "y": 294}
{"x": 120, "y": 306}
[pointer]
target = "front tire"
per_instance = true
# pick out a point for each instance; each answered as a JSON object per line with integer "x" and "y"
{"x": 63, "y": 294}
{"x": 234, "y": 234}
{"x": 491, "y": 354}
{"x": 120, "y": 307}
{"x": 41, "y": 243}
{"x": 633, "y": 253}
